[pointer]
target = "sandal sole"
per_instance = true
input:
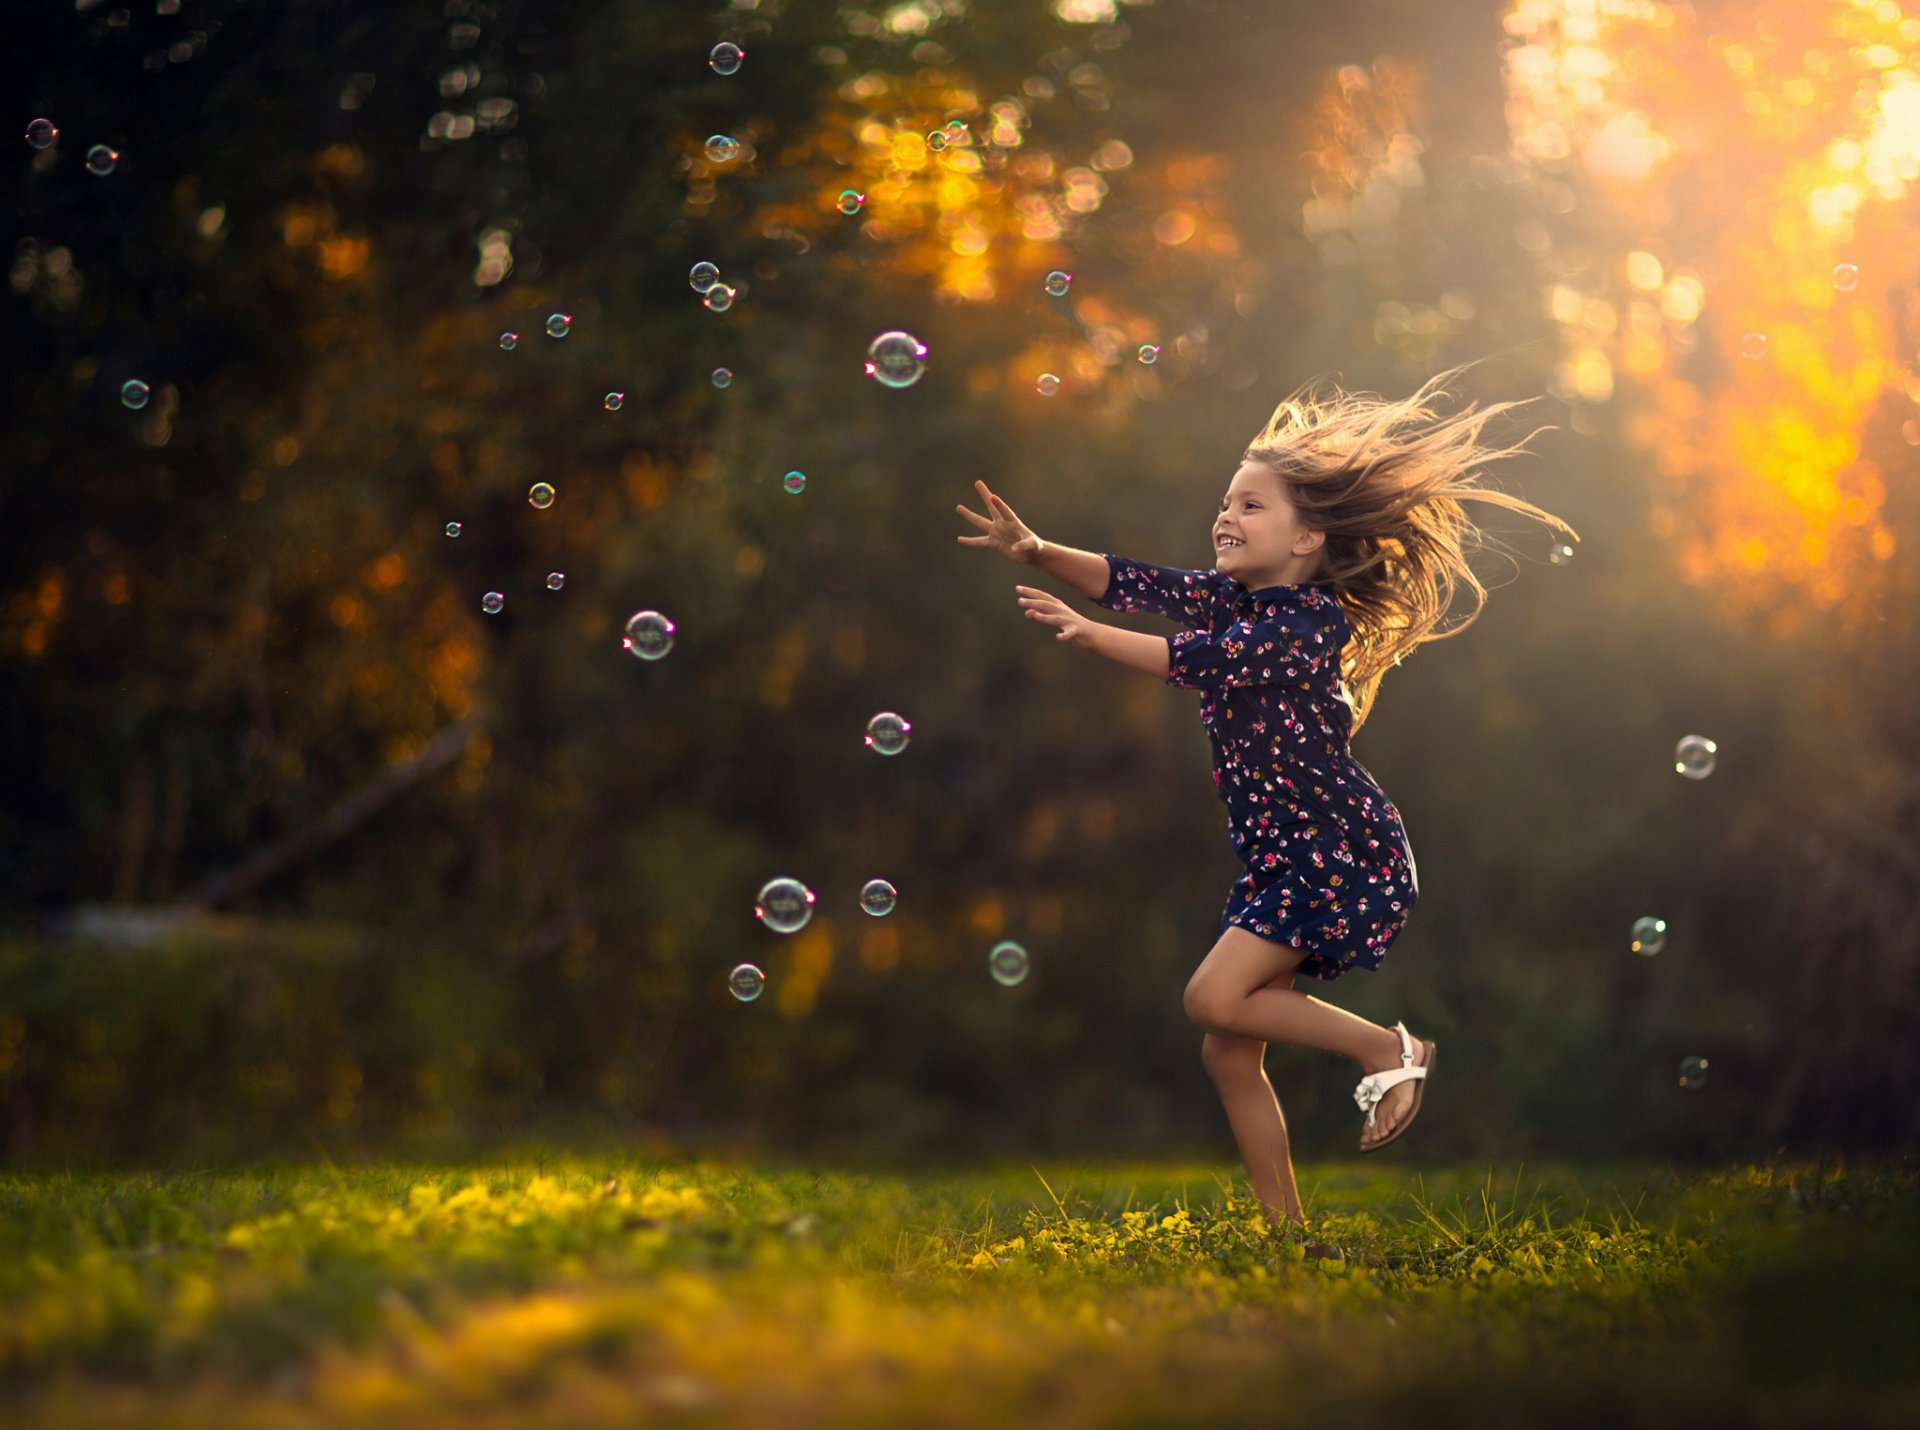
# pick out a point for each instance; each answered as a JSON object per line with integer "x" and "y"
{"x": 1419, "y": 1092}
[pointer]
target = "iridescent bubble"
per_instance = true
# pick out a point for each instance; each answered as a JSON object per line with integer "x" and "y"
{"x": 1561, "y": 553}
{"x": 722, "y": 148}
{"x": 649, "y": 635}
{"x": 896, "y": 359}
{"x": 723, "y": 377}
{"x": 1047, "y": 385}
{"x": 937, "y": 140}
{"x": 703, "y": 276}
{"x": 725, "y": 57}
{"x": 887, "y": 733}
{"x": 1846, "y": 277}
{"x": 134, "y": 394}
{"x": 719, "y": 298}
{"x": 1693, "y": 756}
{"x": 958, "y": 133}
{"x": 556, "y": 579}
{"x": 851, "y": 201}
{"x": 1753, "y": 345}
{"x": 541, "y": 494}
{"x": 877, "y": 897}
{"x": 1007, "y": 963}
{"x": 101, "y": 160}
{"x": 559, "y": 325}
{"x": 784, "y": 905}
{"x": 794, "y": 482}
{"x": 1649, "y": 936}
{"x": 453, "y": 528}
{"x": 1693, "y": 1073}
{"x": 41, "y": 133}
{"x": 745, "y": 982}
{"x": 613, "y": 400}
{"x": 1058, "y": 283}
{"x": 509, "y": 341}
{"x": 492, "y": 603}
{"x": 1149, "y": 354}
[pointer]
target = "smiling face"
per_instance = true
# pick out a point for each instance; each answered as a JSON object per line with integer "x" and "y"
{"x": 1272, "y": 549}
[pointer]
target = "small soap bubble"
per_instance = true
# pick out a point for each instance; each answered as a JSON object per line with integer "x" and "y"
{"x": 649, "y": 635}
{"x": 1007, "y": 963}
{"x": 613, "y": 400}
{"x": 745, "y": 982}
{"x": 719, "y": 298}
{"x": 1058, "y": 283}
{"x": 1149, "y": 354}
{"x": 492, "y": 603}
{"x": 887, "y": 732}
{"x": 703, "y": 276}
{"x": 1693, "y": 1073}
{"x": 877, "y": 897}
{"x": 1753, "y": 345}
{"x": 509, "y": 341}
{"x": 134, "y": 394}
{"x": 723, "y": 377}
{"x": 1693, "y": 756}
{"x": 784, "y": 905}
{"x": 851, "y": 201}
{"x": 101, "y": 160}
{"x": 937, "y": 140}
{"x": 1649, "y": 936}
{"x": 1846, "y": 277}
{"x": 556, "y": 579}
{"x": 896, "y": 359}
{"x": 1047, "y": 385}
{"x": 559, "y": 325}
{"x": 41, "y": 133}
{"x": 541, "y": 494}
{"x": 958, "y": 133}
{"x": 725, "y": 57}
{"x": 722, "y": 148}
{"x": 453, "y": 528}
{"x": 794, "y": 482}
{"x": 1561, "y": 553}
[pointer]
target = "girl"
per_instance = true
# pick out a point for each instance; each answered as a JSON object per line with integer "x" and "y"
{"x": 1337, "y": 548}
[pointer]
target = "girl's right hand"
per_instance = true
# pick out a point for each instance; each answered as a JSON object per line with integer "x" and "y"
{"x": 1002, "y": 530}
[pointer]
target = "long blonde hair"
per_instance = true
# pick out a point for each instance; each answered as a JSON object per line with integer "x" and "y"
{"x": 1385, "y": 481}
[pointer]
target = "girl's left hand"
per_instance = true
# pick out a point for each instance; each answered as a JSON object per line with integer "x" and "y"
{"x": 1073, "y": 628}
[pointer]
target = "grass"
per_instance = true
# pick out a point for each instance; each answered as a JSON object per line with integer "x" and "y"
{"x": 546, "y": 1290}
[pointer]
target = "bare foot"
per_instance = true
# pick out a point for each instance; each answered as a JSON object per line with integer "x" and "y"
{"x": 1393, "y": 1107}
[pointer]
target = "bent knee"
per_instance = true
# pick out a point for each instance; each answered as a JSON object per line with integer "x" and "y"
{"x": 1228, "y": 1058}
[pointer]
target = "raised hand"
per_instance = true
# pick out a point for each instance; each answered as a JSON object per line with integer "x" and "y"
{"x": 1003, "y": 531}
{"x": 1068, "y": 624}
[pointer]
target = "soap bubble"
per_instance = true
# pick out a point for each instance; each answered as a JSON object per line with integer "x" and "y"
{"x": 1693, "y": 1073}
{"x": 1047, "y": 385}
{"x": 541, "y": 494}
{"x": 1846, "y": 277}
{"x": 101, "y": 160}
{"x": 877, "y": 897}
{"x": 745, "y": 982}
{"x": 722, "y": 377}
{"x": 1693, "y": 756}
{"x": 1561, "y": 553}
{"x": 613, "y": 400}
{"x": 556, "y": 579}
{"x": 649, "y": 635}
{"x": 509, "y": 341}
{"x": 958, "y": 133}
{"x": 1649, "y": 936}
{"x": 134, "y": 394}
{"x": 703, "y": 276}
{"x": 1753, "y": 345}
{"x": 887, "y": 732}
{"x": 559, "y": 325}
{"x": 784, "y": 905}
{"x": 725, "y": 57}
{"x": 794, "y": 482}
{"x": 722, "y": 148}
{"x": 453, "y": 528}
{"x": 42, "y": 133}
{"x": 937, "y": 141}
{"x": 1149, "y": 354}
{"x": 851, "y": 201}
{"x": 492, "y": 603}
{"x": 719, "y": 298}
{"x": 1007, "y": 963}
{"x": 896, "y": 359}
{"x": 1058, "y": 283}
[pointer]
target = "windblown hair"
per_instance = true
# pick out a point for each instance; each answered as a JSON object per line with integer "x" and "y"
{"x": 1385, "y": 481}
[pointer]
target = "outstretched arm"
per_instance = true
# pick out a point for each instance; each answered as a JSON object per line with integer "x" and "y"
{"x": 1133, "y": 649}
{"x": 1082, "y": 570}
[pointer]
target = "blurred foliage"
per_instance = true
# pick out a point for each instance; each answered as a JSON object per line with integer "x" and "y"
{"x": 225, "y": 613}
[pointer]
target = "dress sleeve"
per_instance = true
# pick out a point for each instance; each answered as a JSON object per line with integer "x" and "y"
{"x": 1189, "y": 597}
{"x": 1281, "y": 642}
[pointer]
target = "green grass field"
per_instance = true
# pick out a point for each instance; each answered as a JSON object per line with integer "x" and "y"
{"x": 580, "y": 1289}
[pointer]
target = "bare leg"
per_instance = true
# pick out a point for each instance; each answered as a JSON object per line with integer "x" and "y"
{"x": 1259, "y": 1126}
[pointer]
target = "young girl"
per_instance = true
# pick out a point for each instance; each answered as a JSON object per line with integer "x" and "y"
{"x": 1337, "y": 548}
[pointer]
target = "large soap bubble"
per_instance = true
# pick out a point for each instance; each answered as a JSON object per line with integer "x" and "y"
{"x": 649, "y": 635}
{"x": 784, "y": 905}
{"x": 725, "y": 57}
{"x": 1008, "y": 963}
{"x": 888, "y": 732}
{"x": 896, "y": 359}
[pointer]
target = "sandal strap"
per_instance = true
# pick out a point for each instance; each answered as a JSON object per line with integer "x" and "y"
{"x": 1375, "y": 1086}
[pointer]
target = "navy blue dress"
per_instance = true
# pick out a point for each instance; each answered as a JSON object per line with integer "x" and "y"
{"x": 1328, "y": 866}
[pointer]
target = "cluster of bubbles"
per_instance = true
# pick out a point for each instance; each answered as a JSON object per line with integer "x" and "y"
{"x": 722, "y": 148}
{"x": 1694, "y": 758}
{"x": 718, "y": 296}
{"x": 102, "y": 159}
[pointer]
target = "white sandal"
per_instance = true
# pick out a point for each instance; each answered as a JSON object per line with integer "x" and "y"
{"x": 1374, "y": 1086}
